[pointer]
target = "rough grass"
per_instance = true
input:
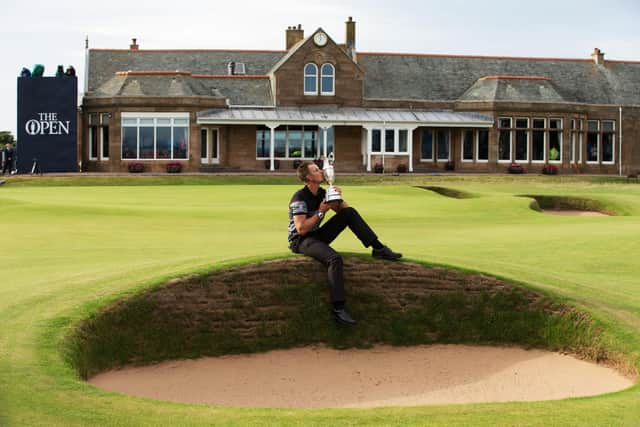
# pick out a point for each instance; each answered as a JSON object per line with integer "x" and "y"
{"x": 282, "y": 304}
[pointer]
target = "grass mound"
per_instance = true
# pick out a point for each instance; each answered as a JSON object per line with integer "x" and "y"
{"x": 448, "y": 192}
{"x": 541, "y": 202}
{"x": 283, "y": 303}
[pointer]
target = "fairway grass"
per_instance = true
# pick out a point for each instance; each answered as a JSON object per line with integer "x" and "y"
{"x": 71, "y": 249}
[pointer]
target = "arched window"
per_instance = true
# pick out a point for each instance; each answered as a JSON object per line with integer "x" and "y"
{"x": 327, "y": 79}
{"x": 311, "y": 79}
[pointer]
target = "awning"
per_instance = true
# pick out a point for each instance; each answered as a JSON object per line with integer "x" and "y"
{"x": 336, "y": 116}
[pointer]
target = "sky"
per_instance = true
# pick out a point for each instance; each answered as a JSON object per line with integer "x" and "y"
{"x": 54, "y": 32}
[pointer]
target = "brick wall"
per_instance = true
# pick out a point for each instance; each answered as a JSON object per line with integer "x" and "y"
{"x": 289, "y": 78}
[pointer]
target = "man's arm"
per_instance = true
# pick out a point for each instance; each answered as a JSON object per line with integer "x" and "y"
{"x": 304, "y": 224}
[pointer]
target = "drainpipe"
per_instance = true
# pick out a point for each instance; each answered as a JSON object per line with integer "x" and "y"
{"x": 620, "y": 150}
{"x": 86, "y": 64}
{"x": 383, "y": 141}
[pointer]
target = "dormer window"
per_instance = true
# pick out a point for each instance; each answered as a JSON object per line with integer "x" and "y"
{"x": 327, "y": 80}
{"x": 311, "y": 79}
{"x": 234, "y": 68}
{"x": 240, "y": 68}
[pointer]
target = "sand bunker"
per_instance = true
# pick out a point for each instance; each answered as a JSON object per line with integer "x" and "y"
{"x": 316, "y": 377}
{"x": 573, "y": 212}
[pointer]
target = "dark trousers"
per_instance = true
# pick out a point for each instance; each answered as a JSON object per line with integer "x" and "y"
{"x": 316, "y": 245}
{"x": 8, "y": 164}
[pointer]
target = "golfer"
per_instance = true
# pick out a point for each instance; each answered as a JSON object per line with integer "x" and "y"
{"x": 307, "y": 209}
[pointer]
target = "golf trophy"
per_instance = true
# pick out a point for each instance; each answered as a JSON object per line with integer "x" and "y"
{"x": 333, "y": 195}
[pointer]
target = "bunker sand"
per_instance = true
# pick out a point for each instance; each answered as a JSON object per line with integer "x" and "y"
{"x": 318, "y": 377}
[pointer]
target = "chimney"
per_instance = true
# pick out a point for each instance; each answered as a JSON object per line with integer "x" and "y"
{"x": 351, "y": 38}
{"x": 133, "y": 45}
{"x": 294, "y": 35}
{"x": 598, "y": 56}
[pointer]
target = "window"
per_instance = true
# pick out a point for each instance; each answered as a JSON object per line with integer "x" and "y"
{"x": 263, "y": 142}
{"x": 522, "y": 140}
{"x": 504, "y": 139}
{"x": 311, "y": 147}
{"x": 389, "y": 140}
{"x": 435, "y": 140}
{"x": 93, "y": 136}
{"x": 403, "y": 135}
{"x": 555, "y": 140}
{"x": 291, "y": 142}
{"x": 239, "y": 68}
{"x": 467, "y": 145}
{"x": 537, "y": 142}
{"x": 443, "y": 144}
{"x": 608, "y": 141}
{"x": 327, "y": 72}
{"x": 155, "y": 136}
{"x": 104, "y": 135}
{"x": 576, "y": 141}
{"x": 395, "y": 141}
{"x": 99, "y": 136}
{"x": 593, "y": 141}
{"x": 426, "y": 145}
{"x": 482, "y": 151}
{"x": 209, "y": 146}
{"x": 310, "y": 79}
{"x": 376, "y": 140}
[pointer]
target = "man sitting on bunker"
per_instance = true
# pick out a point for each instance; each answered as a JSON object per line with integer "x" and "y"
{"x": 306, "y": 211}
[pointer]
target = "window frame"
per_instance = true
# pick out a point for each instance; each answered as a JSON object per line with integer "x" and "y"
{"x": 542, "y": 129}
{"x": 332, "y": 92}
{"x": 473, "y": 145}
{"x": 597, "y": 134}
{"x": 613, "y": 142}
{"x": 433, "y": 142}
{"x": 509, "y": 132}
{"x": 477, "y": 147}
{"x": 210, "y": 159}
{"x": 314, "y": 76}
{"x": 560, "y": 132}
{"x": 576, "y": 141}
{"x": 287, "y": 154}
{"x": 98, "y": 125}
{"x": 173, "y": 117}
{"x": 527, "y": 134}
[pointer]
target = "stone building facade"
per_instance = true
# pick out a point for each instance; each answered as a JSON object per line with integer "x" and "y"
{"x": 219, "y": 110}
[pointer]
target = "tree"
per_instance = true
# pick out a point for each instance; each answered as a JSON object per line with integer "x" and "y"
{"x": 6, "y": 137}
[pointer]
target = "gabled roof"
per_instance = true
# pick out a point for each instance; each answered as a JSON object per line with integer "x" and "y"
{"x": 301, "y": 43}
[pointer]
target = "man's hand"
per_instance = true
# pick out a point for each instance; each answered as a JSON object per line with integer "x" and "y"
{"x": 324, "y": 206}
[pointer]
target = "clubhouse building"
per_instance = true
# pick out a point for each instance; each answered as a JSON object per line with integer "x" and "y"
{"x": 255, "y": 111}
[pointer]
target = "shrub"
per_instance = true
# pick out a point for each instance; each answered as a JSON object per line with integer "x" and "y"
{"x": 550, "y": 169}
{"x": 136, "y": 167}
{"x": 401, "y": 168}
{"x": 174, "y": 167}
{"x": 515, "y": 168}
{"x": 378, "y": 168}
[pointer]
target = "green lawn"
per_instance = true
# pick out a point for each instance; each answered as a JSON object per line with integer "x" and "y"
{"x": 68, "y": 249}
